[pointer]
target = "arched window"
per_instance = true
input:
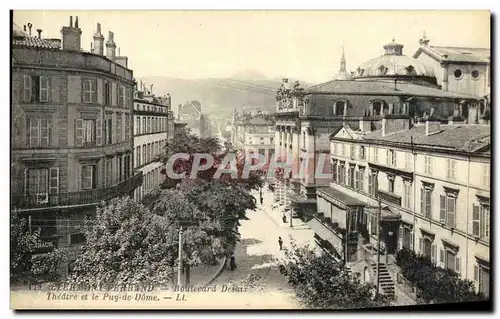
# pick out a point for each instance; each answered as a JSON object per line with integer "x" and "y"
{"x": 377, "y": 108}
{"x": 382, "y": 70}
{"x": 410, "y": 70}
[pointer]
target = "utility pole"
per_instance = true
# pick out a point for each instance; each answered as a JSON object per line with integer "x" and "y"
{"x": 179, "y": 271}
{"x": 378, "y": 243}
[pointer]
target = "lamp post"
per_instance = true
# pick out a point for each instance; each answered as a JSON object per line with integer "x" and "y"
{"x": 179, "y": 270}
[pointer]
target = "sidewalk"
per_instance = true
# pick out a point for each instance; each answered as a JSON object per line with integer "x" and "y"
{"x": 275, "y": 211}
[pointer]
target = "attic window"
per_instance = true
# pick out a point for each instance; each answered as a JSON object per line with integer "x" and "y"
{"x": 475, "y": 74}
{"x": 382, "y": 69}
{"x": 458, "y": 74}
{"x": 410, "y": 70}
{"x": 361, "y": 72}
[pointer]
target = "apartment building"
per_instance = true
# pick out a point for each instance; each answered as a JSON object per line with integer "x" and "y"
{"x": 432, "y": 180}
{"x": 72, "y": 141}
{"x": 153, "y": 127}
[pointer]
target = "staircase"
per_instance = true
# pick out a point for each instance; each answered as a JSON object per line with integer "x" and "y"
{"x": 386, "y": 282}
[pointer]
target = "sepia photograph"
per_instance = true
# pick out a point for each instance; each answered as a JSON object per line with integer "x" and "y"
{"x": 239, "y": 159}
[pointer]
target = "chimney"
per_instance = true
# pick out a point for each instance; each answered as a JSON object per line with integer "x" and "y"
{"x": 29, "y": 28}
{"x": 431, "y": 127}
{"x": 365, "y": 126}
{"x": 71, "y": 36}
{"x": 39, "y": 33}
{"x": 24, "y": 28}
{"x": 98, "y": 41}
{"x": 111, "y": 47}
{"x": 384, "y": 127}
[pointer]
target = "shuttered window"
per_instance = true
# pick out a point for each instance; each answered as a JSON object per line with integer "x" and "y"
{"x": 38, "y": 132}
{"x": 89, "y": 90}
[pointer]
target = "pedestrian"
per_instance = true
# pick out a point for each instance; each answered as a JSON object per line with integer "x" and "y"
{"x": 232, "y": 263}
{"x": 280, "y": 242}
{"x": 284, "y": 218}
{"x": 261, "y": 200}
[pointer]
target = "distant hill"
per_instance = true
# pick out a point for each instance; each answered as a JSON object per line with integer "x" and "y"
{"x": 218, "y": 97}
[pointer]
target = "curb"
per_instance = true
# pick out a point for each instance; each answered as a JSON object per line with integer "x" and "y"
{"x": 217, "y": 274}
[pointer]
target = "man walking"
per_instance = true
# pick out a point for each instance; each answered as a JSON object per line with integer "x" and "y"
{"x": 280, "y": 242}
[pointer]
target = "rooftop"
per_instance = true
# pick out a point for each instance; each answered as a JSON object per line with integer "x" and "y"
{"x": 456, "y": 54}
{"x": 379, "y": 87}
{"x": 467, "y": 138}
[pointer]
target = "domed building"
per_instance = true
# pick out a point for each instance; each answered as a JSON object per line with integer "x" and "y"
{"x": 399, "y": 89}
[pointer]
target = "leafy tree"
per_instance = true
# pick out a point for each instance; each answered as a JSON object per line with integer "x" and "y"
{"x": 435, "y": 284}
{"x": 126, "y": 243}
{"x": 322, "y": 283}
{"x": 25, "y": 265}
{"x": 185, "y": 142}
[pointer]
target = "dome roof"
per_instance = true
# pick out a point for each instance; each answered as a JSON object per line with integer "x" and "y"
{"x": 342, "y": 76}
{"x": 392, "y": 63}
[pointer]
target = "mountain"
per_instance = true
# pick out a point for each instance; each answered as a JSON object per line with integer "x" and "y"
{"x": 218, "y": 96}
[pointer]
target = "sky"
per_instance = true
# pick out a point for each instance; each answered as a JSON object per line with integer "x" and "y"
{"x": 305, "y": 45}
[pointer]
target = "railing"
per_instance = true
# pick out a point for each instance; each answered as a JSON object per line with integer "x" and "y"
{"x": 395, "y": 199}
{"x": 405, "y": 285}
{"x": 88, "y": 197}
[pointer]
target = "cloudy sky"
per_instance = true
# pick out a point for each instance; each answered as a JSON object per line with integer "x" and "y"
{"x": 298, "y": 44}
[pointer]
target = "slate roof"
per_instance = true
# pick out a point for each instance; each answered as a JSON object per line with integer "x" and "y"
{"x": 456, "y": 54}
{"x": 467, "y": 138}
{"x": 35, "y": 42}
{"x": 382, "y": 88}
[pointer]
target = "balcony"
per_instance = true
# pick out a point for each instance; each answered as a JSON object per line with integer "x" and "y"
{"x": 389, "y": 197}
{"x": 82, "y": 198}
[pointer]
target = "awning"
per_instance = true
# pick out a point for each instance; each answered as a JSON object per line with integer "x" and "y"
{"x": 325, "y": 233}
{"x": 387, "y": 213}
{"x": 337, "y": 196}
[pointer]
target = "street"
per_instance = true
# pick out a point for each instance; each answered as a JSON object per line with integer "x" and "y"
{"x": 256, "y": 255}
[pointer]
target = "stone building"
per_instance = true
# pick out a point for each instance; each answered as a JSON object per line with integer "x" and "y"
{"x": 392, "y": 85}
{"x": 153, "y": 127}
{"x": 72, "y": 141}
{"x": 432, "y": 180}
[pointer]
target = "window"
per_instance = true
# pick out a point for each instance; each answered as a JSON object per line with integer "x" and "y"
{"x": 138, "y": 126}
{"x": 377, "y": 108}
{"x": 425, "y": 201}
{"x": 271, "y": 141}
{"x": 88, "y": 131}
{"x": 452, "y": 167}
{"x": 88, "y": 177}
{"x": 340, "y": 108}
{"x": 390, "y": 182}
{"x": 408, "y": 163}
{"x": 119, "y": 136}
{"x": 138, "y": 156}
{"x": 343, "y": 149}
{"x": 37, "y": 183}
{"x": 407, "y": 194}
{"x": 391, "y": 158}
{"x": 482, "y": 278}
{"x": 127, "y": 127}
{"x": 108, "y": 128}
{"x": 375, "y": 155}
{"x": 449, "y": 259}
{"x": 481, "y": 221}
{"x": 121, "y": 95}
{"x": 334, "y": 171}
{"x": 405, "y": 238}
{"x": 373, "y": 183}
{"x": 36, "y": 88}
{"x": 89, "y": 90}
{"x": 447, "y": 207}
{"x": 373, "y": 225}
{"x": 109, "y": 171}
{"x": 144, "y": 126}
{"x": 149, "y": 125}
{"x": 108, "y": 93}
{"x": 475, "y": 74}
{"x": 350, "y": 174}
{"x": 39, "y": 132}
{"x": 428, "y": 165}
{"x": 342, "y": 173}
{"x": 427, "y": 249}
{"x": 144, "y": 154}
{"x": 362, "y": 152}
{"x": 360, "y": 174}
{"x": 352, "y": 151}
{"x": 261, "y": 140}
{"x": 334, "y": 147}
{"x": 457, "y": 74}
{"x": 486, "y": 175}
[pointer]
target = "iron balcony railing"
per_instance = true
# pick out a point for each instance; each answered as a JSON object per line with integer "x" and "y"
{"x": 392, "y": 198}
{"x": 87, "y": 197}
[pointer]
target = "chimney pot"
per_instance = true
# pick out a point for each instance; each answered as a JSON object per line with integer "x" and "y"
{"x": 71, "y": 21}
{"x": 76, "y": 22}
{"x": 39, "y": 33}
{"x": 24, "y": 28}
{"x": 98, "y": 28}
{"x": 29, "y": 28}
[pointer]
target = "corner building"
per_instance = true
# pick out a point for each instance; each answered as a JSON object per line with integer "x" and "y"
{"x": 72, "y": 141}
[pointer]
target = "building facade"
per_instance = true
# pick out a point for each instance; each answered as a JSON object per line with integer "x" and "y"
{"x": 153, "y": 127}
{"x": 72, "y": 141}
{"x": 432, "y": 181}
{"x": 392, "y": 85}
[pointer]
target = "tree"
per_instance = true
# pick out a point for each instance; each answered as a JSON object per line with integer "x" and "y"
{"x": 322, "y": 283}
{"x": 185, "y": 142}
{"x": 126, "y": 243}
{"x": 435, "y": 284}
{"x": 25, "y": 264}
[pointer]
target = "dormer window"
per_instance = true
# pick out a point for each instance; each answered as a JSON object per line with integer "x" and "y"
{"x": 377, "y": 108}
{"x": 382, "y": 69}
{"x": 410, "y": 70}
{"x": 339, "y": 108}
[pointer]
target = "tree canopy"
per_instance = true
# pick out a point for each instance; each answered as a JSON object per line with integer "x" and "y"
{"x": 322, "y": 283}
{"x": 26, "y": 265}
{"x": 435, "y": 284}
